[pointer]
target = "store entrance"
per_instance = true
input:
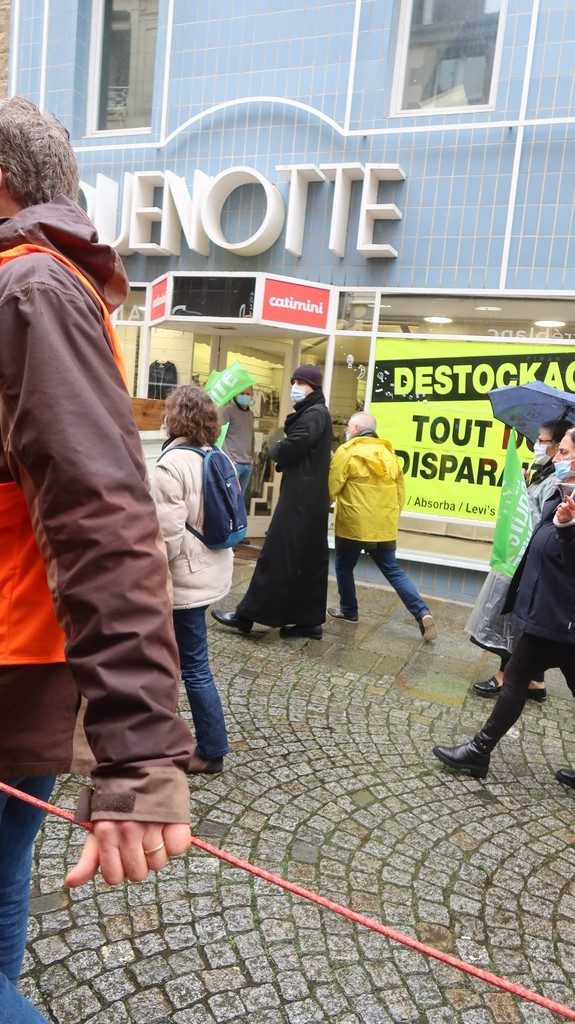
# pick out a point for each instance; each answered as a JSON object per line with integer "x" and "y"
{"x": 270, "y": 363}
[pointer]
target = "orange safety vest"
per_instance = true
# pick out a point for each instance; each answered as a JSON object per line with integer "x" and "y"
{"x": 29, "y": 630}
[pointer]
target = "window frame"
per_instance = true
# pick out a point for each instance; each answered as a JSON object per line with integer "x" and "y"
{"x": 95, "y": 78}
{"x": 402, "y": 50}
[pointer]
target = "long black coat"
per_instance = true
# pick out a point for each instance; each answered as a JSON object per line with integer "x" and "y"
{"x": 289, "y": 584}
{"x": 541, "y": 595}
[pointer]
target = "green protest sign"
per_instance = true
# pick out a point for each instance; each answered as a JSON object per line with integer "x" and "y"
{"x": 223, "y": 385}
{"x": 513, "y": 526}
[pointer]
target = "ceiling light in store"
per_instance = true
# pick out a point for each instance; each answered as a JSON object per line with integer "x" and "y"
{"x": 488, "y": 309}
{"x": 438, "y": 319}
{"x": 550, "y": 323}
{"x": 385, "y": 305}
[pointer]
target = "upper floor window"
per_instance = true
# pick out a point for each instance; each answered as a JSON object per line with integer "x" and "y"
{"x": 449, "y": 49}
{"x": 124, "y": 54}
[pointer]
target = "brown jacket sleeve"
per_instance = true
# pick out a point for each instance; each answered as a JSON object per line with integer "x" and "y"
{"x": 70, "y": 441}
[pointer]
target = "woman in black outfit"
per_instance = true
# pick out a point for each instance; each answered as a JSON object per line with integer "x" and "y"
{"x": 542, "y": 601}
{"x": 488, "y": 626}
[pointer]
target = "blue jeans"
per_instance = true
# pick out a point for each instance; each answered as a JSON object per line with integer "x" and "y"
{"x": 244, "y": 471}
{"x": 347, "y": 553}
{"x": 19, "y": 824}
{"x": 205, "y": 703}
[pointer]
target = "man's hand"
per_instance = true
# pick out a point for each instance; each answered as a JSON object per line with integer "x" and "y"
{"x": 119, "y": 848}
{"x": 565, "y": 512}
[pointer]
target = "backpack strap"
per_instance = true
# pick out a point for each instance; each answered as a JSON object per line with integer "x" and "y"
{"x": 187, "y": 448}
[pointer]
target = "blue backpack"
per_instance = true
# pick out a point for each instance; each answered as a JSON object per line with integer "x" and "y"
{"x": 225, "y": 522}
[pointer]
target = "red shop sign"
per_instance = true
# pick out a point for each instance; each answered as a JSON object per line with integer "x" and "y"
{"x": 289, "y": 303}
{"x": 158, "y": 302}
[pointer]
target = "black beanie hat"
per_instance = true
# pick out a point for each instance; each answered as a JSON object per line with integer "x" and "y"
{"x": 309, "y": 374}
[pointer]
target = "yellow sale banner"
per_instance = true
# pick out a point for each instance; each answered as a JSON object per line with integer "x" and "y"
{"x": 430, "y": 400}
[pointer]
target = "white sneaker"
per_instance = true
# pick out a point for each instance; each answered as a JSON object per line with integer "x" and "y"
{"x": 427, "y": 627}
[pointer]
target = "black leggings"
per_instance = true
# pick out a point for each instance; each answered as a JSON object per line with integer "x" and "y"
{"x": 531, "y": 657}
{"x": 537, "y": 677}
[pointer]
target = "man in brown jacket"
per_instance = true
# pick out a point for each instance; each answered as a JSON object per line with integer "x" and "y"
{"x": 85, "y": 616}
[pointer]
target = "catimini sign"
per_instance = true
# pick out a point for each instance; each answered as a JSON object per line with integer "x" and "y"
{"x": 158, "y": 299}
{"x": 157, "y": 208}
{"x": 288, "y": 303}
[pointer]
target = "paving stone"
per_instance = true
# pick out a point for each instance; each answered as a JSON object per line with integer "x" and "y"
{"x": 149, "y": 1006}
{"x": 78, "y": 1005}
{"x": 225, "y": 978}
{"x": 49, "y": 950}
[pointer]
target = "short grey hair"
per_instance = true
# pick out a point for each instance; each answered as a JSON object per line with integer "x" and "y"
{"x": 36, "y": 156}
{"x": 364, "y": 420}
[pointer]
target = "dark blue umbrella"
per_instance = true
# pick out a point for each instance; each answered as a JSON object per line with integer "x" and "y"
{"x": 527, "y": 406}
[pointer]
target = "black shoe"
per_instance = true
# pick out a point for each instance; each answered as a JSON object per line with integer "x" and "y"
{"x": 469, "y": 757}
{"x": 233, "y": 620}
{"x": 566, "y": 776}
{"x": 336, "y": 613}
{"x": 213, "y": 767}
{"x": 312, "y": 632}
{"x": 491, "y": 688}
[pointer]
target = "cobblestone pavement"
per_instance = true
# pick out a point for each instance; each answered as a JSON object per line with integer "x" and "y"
{"x": 332, "y": 784}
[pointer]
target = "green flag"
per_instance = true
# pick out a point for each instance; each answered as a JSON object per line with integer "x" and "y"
{"x": 513, "y": 526}
{"x": 223, "y": 385}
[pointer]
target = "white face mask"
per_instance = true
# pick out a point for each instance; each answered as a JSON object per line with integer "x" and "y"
{"x": 540, "y": 455}
{"x": 297, "y": 393}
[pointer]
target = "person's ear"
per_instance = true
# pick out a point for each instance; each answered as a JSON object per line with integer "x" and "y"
{"x": 8, "y": 205}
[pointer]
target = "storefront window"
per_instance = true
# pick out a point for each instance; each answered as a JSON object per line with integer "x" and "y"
{"x": 348, "y": 384}
{"x": 478, "y": 316}
{"x": 177, "y": 357}
{"x": 355, "y": 311}
{"x": 125, "y": 33}
{"x": 129, "y": 322}
{"x": 450, "y": 53}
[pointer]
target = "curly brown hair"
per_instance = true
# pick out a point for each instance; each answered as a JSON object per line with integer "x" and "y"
{"x": 190, "y": 412}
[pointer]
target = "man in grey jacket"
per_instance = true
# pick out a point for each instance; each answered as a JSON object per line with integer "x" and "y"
{"x": 239, "y": 439}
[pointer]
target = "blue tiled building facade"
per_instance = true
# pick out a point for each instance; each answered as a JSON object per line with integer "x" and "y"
{"x": 414, "y": 157}
{"x": 326, "y": 70}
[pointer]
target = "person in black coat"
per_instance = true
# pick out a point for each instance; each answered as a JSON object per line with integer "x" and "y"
{"x": 289, "y": 584}
{"x": 541, "y": 598}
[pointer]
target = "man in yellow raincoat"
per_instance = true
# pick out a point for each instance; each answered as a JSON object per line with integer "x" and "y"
{"x": 366, "y": 482}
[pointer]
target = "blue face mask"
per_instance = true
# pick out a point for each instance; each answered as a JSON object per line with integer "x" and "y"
{"x": 563, "y": 469}
{"x": 244, "y": 401}
{"x": 297, "y": 393}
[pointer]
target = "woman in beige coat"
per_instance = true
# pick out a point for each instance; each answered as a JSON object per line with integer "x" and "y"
{"x": 200, "y": 574}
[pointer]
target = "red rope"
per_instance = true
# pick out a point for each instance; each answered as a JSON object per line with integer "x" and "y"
{"x": 337, "y": 908}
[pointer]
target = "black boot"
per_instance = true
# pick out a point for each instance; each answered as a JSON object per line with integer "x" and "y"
{"x": 470, "y": 757}
{"x": 566, "y": 776}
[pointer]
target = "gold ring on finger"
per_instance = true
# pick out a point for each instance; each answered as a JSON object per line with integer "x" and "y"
{"x": 155, "y": 849}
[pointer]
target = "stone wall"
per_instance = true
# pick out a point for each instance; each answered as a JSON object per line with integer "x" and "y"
{"x": 4, "y": 45}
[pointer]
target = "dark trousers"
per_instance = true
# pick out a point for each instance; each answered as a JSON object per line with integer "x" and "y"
{"x": 531, "y": 657}
{"x": 347, "y": 554}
